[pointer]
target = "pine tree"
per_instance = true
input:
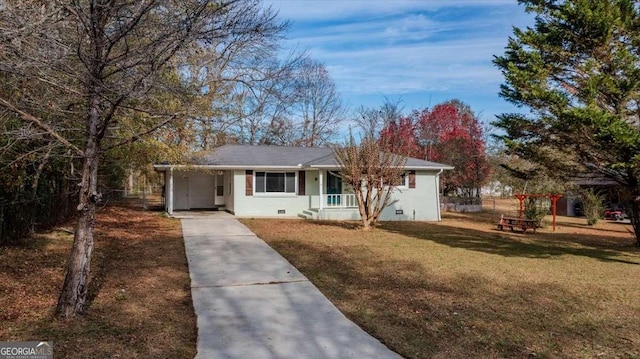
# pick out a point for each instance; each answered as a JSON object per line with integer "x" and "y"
{"x": 578, "y": 72}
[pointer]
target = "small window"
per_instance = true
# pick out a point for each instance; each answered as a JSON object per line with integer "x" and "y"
{"x": 275, "y": 182}
{"x": 402, "y": 181}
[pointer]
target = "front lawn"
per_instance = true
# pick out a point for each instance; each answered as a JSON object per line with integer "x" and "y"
{"x": 462, "y": 289}
{"x": 140, "y": 299}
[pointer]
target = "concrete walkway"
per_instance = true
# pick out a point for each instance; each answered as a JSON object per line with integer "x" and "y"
{"x": 251, "y": 303}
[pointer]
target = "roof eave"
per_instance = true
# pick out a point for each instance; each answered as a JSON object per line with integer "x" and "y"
{"x": 435, "y": 168}
{"x": 162, "y": 168}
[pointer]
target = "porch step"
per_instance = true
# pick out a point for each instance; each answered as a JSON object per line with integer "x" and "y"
{"x": 309, "y": 214}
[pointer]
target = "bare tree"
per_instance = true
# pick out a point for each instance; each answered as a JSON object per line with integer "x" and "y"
{"x": 118, "y": 69}
{"x": 371, "y": 120}
{"x": 267, "y": 104}
{"x": 298, "y": 106}
{"x": 318, "y": 108}
{"x": 373, "y": 174}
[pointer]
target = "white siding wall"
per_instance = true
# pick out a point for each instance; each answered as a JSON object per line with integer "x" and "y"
{"x": 267, "y": 205}
{"x": 422, "y": 200}
{"x": 311, "y": 183}
{"x": 229, "y": 191}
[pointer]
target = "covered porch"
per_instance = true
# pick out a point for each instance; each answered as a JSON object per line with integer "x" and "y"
{"x": 333, "y": 200}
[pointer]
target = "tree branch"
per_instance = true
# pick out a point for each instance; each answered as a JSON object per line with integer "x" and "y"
{"x": 140, "y": 134}
{"x": 32, "y": 119}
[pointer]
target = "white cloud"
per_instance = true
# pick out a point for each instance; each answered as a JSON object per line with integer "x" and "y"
{"x": 375, "y": 48}
{"x": 317, "y": 10}
{"x": 411, "y": 68}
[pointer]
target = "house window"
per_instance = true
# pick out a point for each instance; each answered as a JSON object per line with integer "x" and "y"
{"x": 275, "y": 182}
{"x": 402, "y": 181}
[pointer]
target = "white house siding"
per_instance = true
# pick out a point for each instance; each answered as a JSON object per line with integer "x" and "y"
{"x": 229, "y": 191}
{"x": 311, "y": 183}
{"x": 340, "y": 214}
{"x": 268, "y": 205}
{"x": 420, "y": 203}
{"x": 423, "y": 200}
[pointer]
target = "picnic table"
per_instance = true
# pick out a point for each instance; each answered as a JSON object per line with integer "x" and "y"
{"x": 520, "y": 223}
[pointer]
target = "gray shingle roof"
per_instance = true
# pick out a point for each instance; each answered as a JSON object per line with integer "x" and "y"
{"x": 286, "y": 156}
{"x": 247, "y": 155}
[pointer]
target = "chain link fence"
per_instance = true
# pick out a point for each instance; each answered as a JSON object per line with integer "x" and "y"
{"x": 461, "y": 204}
{"x": 18, "y": 219}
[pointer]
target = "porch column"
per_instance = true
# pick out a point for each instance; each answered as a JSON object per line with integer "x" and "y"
{"x": 320, "y": 184}
{"x": 170, "y": 192}
{"x": 438, "y": 194}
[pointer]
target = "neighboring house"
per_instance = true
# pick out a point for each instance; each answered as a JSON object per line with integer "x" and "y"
{"x": 497, "y": 189}
{"x": 272, "y": 181}
{"x": 571, "y": 204}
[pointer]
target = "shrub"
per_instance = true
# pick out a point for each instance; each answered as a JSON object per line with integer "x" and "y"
{"x": 536, "y": 208}
{"x": 592, "y": 206}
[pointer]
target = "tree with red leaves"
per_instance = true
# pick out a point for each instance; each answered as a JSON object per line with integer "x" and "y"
{"x": 448, "y": 133}
{"x": 399, "y": 137}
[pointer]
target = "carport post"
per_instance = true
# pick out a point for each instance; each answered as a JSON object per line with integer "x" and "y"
{"x": 320, "y": 184}
{"x": 170, "y": 194}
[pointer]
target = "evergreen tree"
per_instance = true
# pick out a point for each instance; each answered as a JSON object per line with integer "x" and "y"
{"x": 578, "y": 72}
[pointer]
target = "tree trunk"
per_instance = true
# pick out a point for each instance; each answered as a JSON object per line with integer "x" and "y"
{"x": 635, "y": 216}
{"x": 362, "y": 208}
{"x": 74, "y": 290}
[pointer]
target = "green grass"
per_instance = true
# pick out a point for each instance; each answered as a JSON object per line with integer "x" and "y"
{"x": 461, "y": 289}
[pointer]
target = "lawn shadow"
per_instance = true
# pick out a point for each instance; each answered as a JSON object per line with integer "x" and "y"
{"x": 350, "y": 225}
{"x": 585, "y": 226}
{"x": 420, "y": 312}
{"x": 478, "y": 217}
{"x": 539, "y": 245}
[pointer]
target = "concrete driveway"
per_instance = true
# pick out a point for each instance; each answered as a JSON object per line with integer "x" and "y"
{"x": 251, "y": 303}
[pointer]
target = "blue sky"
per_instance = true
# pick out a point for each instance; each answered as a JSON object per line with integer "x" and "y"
{"x": 420, "y": 52}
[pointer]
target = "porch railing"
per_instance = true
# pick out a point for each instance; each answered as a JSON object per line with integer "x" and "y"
{"x": 341, "y": 201}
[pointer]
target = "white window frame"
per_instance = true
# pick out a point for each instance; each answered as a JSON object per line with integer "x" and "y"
{"x": 275, "y": 194}
{"x": 405, "y": 185}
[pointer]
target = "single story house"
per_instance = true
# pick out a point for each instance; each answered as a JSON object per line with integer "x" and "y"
{"x": 272, "y": 181}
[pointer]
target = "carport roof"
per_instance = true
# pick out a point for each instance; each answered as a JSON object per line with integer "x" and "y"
{"x": 249, "y": 156}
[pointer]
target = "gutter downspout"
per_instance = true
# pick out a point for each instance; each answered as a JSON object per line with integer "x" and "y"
{"x": 437, "y": 179}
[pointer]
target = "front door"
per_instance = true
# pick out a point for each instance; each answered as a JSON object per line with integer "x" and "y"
{"x": 219, "y": 190}
{"x": 181, "y": 192}
{"x": 201, "y": 190}
{"x": 334, "y": 186}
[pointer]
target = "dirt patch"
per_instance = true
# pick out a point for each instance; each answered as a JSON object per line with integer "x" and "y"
{"x": 140, "y": 305}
